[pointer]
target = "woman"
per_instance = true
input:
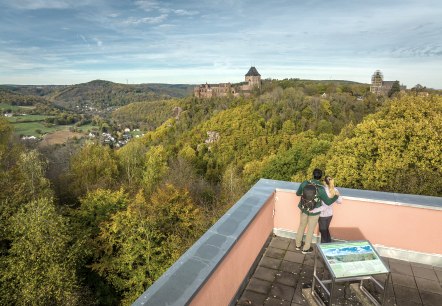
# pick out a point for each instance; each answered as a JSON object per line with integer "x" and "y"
{"x": 327, "y": 210}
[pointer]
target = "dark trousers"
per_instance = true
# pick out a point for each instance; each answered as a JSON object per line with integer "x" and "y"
{"x": 324, "y": 224}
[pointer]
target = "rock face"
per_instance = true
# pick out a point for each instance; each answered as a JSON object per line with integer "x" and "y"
{"x": 212, "y": 137}
{"x": 176, "y": 112}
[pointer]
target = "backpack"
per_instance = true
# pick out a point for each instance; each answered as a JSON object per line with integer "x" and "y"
{"x": 309, "y": 196}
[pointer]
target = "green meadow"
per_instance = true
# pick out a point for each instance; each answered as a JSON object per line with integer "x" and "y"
{"x": 28, "y": 125}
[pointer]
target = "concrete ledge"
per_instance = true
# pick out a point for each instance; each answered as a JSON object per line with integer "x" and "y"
{"x": 307, "y": 294}
{"x": 365, "y": 301}
{"x": 384, "y": 251}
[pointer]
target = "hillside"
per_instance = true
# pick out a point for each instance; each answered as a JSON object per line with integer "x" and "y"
{"x": 7, "y": 96}
{"x": 33, "y": 90}
{"x": 103, "y": 94}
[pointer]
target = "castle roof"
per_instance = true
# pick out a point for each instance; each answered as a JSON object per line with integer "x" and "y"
{"x": 253, "y": 72}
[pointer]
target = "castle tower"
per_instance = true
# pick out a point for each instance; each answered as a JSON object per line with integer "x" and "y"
{"x": 377, "y": 80}
{"x": 253, "y": 78}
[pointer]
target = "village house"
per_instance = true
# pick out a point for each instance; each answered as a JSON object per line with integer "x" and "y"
{"x": 252, "y": 80}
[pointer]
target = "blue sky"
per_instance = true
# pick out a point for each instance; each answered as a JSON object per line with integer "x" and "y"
{"x": 148, "y": 41}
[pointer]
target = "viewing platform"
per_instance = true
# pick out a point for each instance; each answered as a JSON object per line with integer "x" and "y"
{"x": 248, "y": 256}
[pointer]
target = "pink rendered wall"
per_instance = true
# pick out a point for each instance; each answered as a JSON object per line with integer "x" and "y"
{"x": 229, "y": 275}
{"x": 396, "y": 226}
{"x": 286, "y": 211}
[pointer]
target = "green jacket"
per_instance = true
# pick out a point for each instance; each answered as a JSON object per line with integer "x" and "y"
{"x": 321, "y": 193}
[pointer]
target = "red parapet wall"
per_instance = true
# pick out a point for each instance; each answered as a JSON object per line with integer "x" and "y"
{"x": 393, "y": 225}
{"x": 223, "y": 284}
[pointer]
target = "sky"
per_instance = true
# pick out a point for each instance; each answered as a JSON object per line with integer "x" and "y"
{"x": 198, "y": 41}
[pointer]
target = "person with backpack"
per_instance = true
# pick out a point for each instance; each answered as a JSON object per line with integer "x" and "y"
{"x": 312, "y": 194}
{"x": 326, "y": 211}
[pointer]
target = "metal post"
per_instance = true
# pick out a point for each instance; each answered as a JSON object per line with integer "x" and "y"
{"x": 332, "y": 289}
{"x": 384, "y": 296}
{"x": 314, "y": 270}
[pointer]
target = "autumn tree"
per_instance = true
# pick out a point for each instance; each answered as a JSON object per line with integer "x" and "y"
{"x": 138, "y": 244}
{"x": 93, "y": 166}
{"x": 32, "y": 169}
{"x": 397, "y": 149}
{"x": 131, "y": 158}
{"x": 395, "y": 88}
{"x": 154, "y": 168}
{"x": 25, "y": 181}
{"x": 232, "y": 185}
{"x": 98, "y": 206}
{"x": 41, "y": 262}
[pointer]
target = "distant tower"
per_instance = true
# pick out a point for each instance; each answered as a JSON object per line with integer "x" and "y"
{"x": 377, "y": 80}
{"x": 253, "y": 78}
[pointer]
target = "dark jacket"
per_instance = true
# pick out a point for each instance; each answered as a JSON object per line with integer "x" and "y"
{"x": 321, "y": 193}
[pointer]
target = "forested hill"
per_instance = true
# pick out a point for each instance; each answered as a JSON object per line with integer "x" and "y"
{"x": 9, "y": 96}
{"x": 346, "y": 95}
{"x": 102, "y": 94}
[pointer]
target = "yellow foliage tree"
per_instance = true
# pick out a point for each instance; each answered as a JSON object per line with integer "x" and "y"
{"x": 398, "y": 149}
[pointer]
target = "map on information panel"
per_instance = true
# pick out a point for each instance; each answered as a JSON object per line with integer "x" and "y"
{"x": 348, "y": 259}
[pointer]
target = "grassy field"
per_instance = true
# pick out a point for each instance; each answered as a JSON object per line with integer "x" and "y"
{"x": 14, "y": 108}
{"x": 87, "y": 127}
{"x": 30, "y": 128}
{"x": 29, "y": 125}
{"x": 27, "y": 118}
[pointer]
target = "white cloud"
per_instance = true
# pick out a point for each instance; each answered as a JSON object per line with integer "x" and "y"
{"x": 310, "y": 39}
{"x": 146, "y": 20}
{"x": 98, "y": 42}
{"x": 147, "y": 5}
{"x": 47, "y": 4}
{"x": 83, "y": 38}
{"x": 185, "y": 12}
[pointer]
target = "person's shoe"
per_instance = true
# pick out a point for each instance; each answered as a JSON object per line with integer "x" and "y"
{"x": 298, "y": 248}
{"x": 307, "y": 251}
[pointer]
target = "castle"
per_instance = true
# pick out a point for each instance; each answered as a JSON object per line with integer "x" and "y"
{"x": 252, "y": 80}
{"x": 379, "y": 86}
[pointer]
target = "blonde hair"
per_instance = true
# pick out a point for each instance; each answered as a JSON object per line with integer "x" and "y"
{"x": 330, "y": 182}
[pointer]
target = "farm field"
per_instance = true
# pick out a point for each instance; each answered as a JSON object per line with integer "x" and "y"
{"x": 34, "y": 125}
{"x": 5, "y": 106}
{"x": 28, "y": 118}
{"x": 59, "y": 137}
{"x": 35, "y": 128}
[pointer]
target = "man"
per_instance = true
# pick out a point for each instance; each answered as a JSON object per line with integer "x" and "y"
{"x": 310, "y": 218}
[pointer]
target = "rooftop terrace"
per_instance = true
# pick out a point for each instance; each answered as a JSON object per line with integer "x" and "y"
{"x": 282, "y": 273}
{"x": 224, "y": 267}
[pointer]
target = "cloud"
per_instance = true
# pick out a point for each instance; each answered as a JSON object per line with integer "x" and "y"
{"x": 83, "y": 38}
{"x": 147, "y": 5}
{"x": 146, "y": 20}
{"x": 98, "y": 42}
{"x": 185, "y": 12}
{"x": 311, "y": 36}
{"x": 47, "y": 4}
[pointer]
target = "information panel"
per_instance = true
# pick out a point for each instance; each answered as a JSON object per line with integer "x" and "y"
{"x": 349, "y": 259}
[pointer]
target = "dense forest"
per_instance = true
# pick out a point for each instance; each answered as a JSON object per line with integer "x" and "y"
{"x": 103, "y": 94}
{"x": 84, "y": 224}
